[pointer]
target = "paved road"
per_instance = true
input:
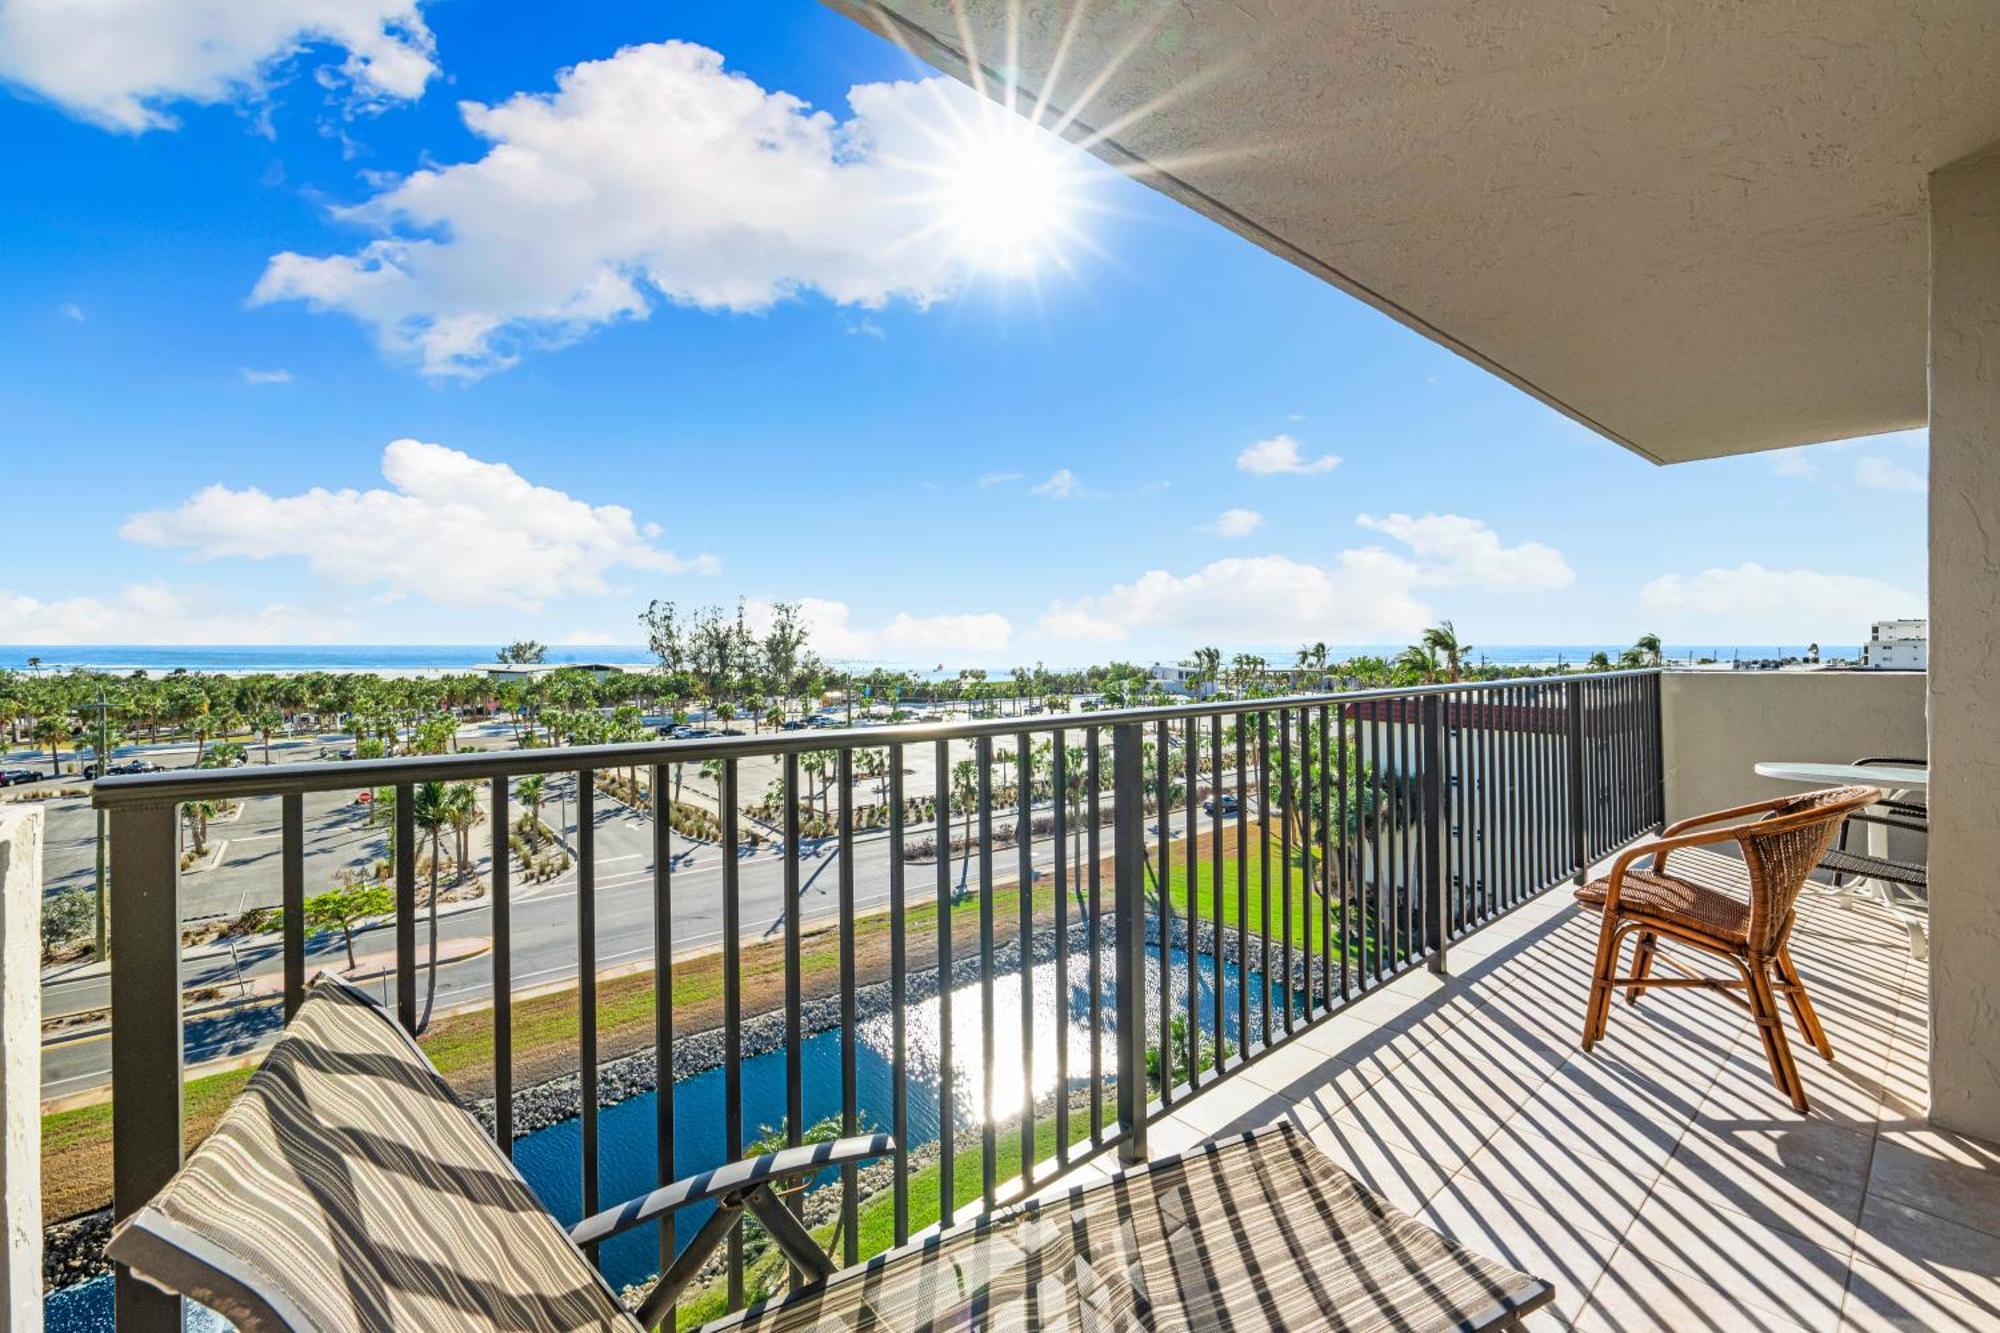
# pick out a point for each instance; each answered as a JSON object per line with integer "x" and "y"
{"x": 544, "y": 932}
{"x": 339, "y": 836}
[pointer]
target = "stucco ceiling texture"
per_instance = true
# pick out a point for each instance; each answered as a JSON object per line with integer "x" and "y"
{"x": 1697, "y": 226}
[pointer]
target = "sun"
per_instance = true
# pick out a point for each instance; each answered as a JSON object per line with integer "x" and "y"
{"x": 1007, "y": 194}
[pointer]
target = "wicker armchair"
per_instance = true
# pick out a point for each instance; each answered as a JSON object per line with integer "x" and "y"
{"x": 1780, "y": 848}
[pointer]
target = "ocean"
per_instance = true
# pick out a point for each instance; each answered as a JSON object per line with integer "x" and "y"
{"x": 428, "y": 659}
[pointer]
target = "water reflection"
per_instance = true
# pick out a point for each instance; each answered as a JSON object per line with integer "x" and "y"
{"x": 551, "y": 1159}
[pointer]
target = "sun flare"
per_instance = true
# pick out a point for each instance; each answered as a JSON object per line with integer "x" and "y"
{"x": 1006, "y": 199}
{"x": 1006, "y": 194}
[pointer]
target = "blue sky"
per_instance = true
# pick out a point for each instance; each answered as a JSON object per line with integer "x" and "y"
{"x": 299, "y": 347}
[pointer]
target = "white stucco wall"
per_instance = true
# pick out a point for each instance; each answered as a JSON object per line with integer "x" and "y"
{"x": 21, "y": 1067}
{"x": 1965, "y": 644}
{"x": 1717, "y": 725}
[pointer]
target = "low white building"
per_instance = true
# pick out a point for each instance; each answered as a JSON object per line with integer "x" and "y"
{"x": 504, "y": 672}
{"x": 1177, "y": 679}
{"x": 1898, "y": 645}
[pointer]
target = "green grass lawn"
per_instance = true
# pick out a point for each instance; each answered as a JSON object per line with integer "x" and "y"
{"x": 1306, "y": 931}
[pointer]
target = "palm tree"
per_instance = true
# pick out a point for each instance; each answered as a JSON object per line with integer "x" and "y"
{"x": 1417, "y": 664}
{"x": 266, "y": 721}
{"x": 465, "y": 815}
{"x": 431, "y": 811}
{"x": 711, "y": 771}
{"x": 1599, "y": 661}
{"x": 965, "y": 790}
{"x": 532, "y": 792}
{"x": 197, "y": 814}
{"x": 51, "y": 730}
{"x": 1442, "y": 640}
{"x": 1649, "y": 644}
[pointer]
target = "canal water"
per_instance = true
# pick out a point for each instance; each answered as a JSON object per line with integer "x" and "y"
{"x": 551, "y": 1159}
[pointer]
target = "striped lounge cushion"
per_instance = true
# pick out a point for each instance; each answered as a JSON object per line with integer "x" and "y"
{"x": 1257, "y": 1232}
{"x": 347, "y": 1191}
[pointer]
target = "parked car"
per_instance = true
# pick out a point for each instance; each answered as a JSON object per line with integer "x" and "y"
{"x": 129, "y": 766}
{"x": 1227, "y": 801}
{"x": 822, "y": 720}
{"x": 10, "y": 777}
{"x": 795, "y": 724}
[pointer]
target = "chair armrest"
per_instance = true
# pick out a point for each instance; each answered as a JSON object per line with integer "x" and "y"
{"x": 736, "y": 1178}
{"x": 1718, "y": 816}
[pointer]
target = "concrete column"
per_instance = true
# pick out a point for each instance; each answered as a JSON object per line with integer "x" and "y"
{"x": 1965, "y": 644}
{"x": 21, "y": 1067}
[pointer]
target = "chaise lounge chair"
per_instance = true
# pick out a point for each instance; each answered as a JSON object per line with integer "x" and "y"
{"x": 347, "y": 1191}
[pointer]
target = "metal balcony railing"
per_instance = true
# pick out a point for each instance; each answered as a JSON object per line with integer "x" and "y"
{"x": 1295, "y": 852}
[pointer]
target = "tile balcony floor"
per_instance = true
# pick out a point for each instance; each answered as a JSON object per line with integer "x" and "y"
{"x": 1662, "y": 1180}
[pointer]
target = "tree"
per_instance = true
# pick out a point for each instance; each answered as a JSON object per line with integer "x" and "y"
{"x": 1441, "y": 640}
{"x": 965, "y": 790}
{"x": 1207, "y": 663}
{"x": 1417, "y": 665}
{"x": 266, "y": 721}
{"x": 465, "y": 816}
{"x": 532, "y": 792}
{"x": 196, "y": 815}
{"x": 783, "y": 647}
{"x": 51, "y": 730}
{"x": 430, "y": 809}
{"x": 345, "y": 907}
{"x": 1649, "y": 646}
{"x": 1599, "y": 661}
{"x": 523, "y": 652}
{"x": 666, "y": 635}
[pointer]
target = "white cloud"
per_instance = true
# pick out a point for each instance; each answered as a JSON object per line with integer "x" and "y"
{"x": 1456, "y": 551}
{"x": 992, "y": 479}
{"x": 70, "y": 310}
{"x": 1364, "y": 596}
{"x": 1062, "y": 485}
{"x": 1794, "y": 462}
{"x": 833, "y": 633}
{"x": 1760, "y": 605}
{"x": 452, "y": 529}
{"x": 1282, "y": 454}
{"x": 121, "y": 63}
{"x": 652, "y": 174}
{"x": 1881, "y": 474}
{"x": 1236, "y": 523}
{"x": 157, "y": 613}
{"x": 278, "y": 376}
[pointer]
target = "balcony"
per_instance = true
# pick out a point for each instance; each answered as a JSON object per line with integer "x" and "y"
{"x": 1659, "y": 1181}
{"x": 1392, "y": 964}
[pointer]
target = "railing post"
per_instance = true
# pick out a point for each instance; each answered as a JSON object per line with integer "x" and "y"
{"x": 1659, "y": 756}
{"x": 1129, "y": 908}
{"x": 146, "y": 1105}
{"x": 1437, "y": 929}
{"x": 1579, "y": 847}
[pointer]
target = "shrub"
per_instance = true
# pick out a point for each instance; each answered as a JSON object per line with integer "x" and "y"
{"x": 67, "y": 918}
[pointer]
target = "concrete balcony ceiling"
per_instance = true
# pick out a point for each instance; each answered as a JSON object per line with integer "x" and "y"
{"x": 1697, "y": 228}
